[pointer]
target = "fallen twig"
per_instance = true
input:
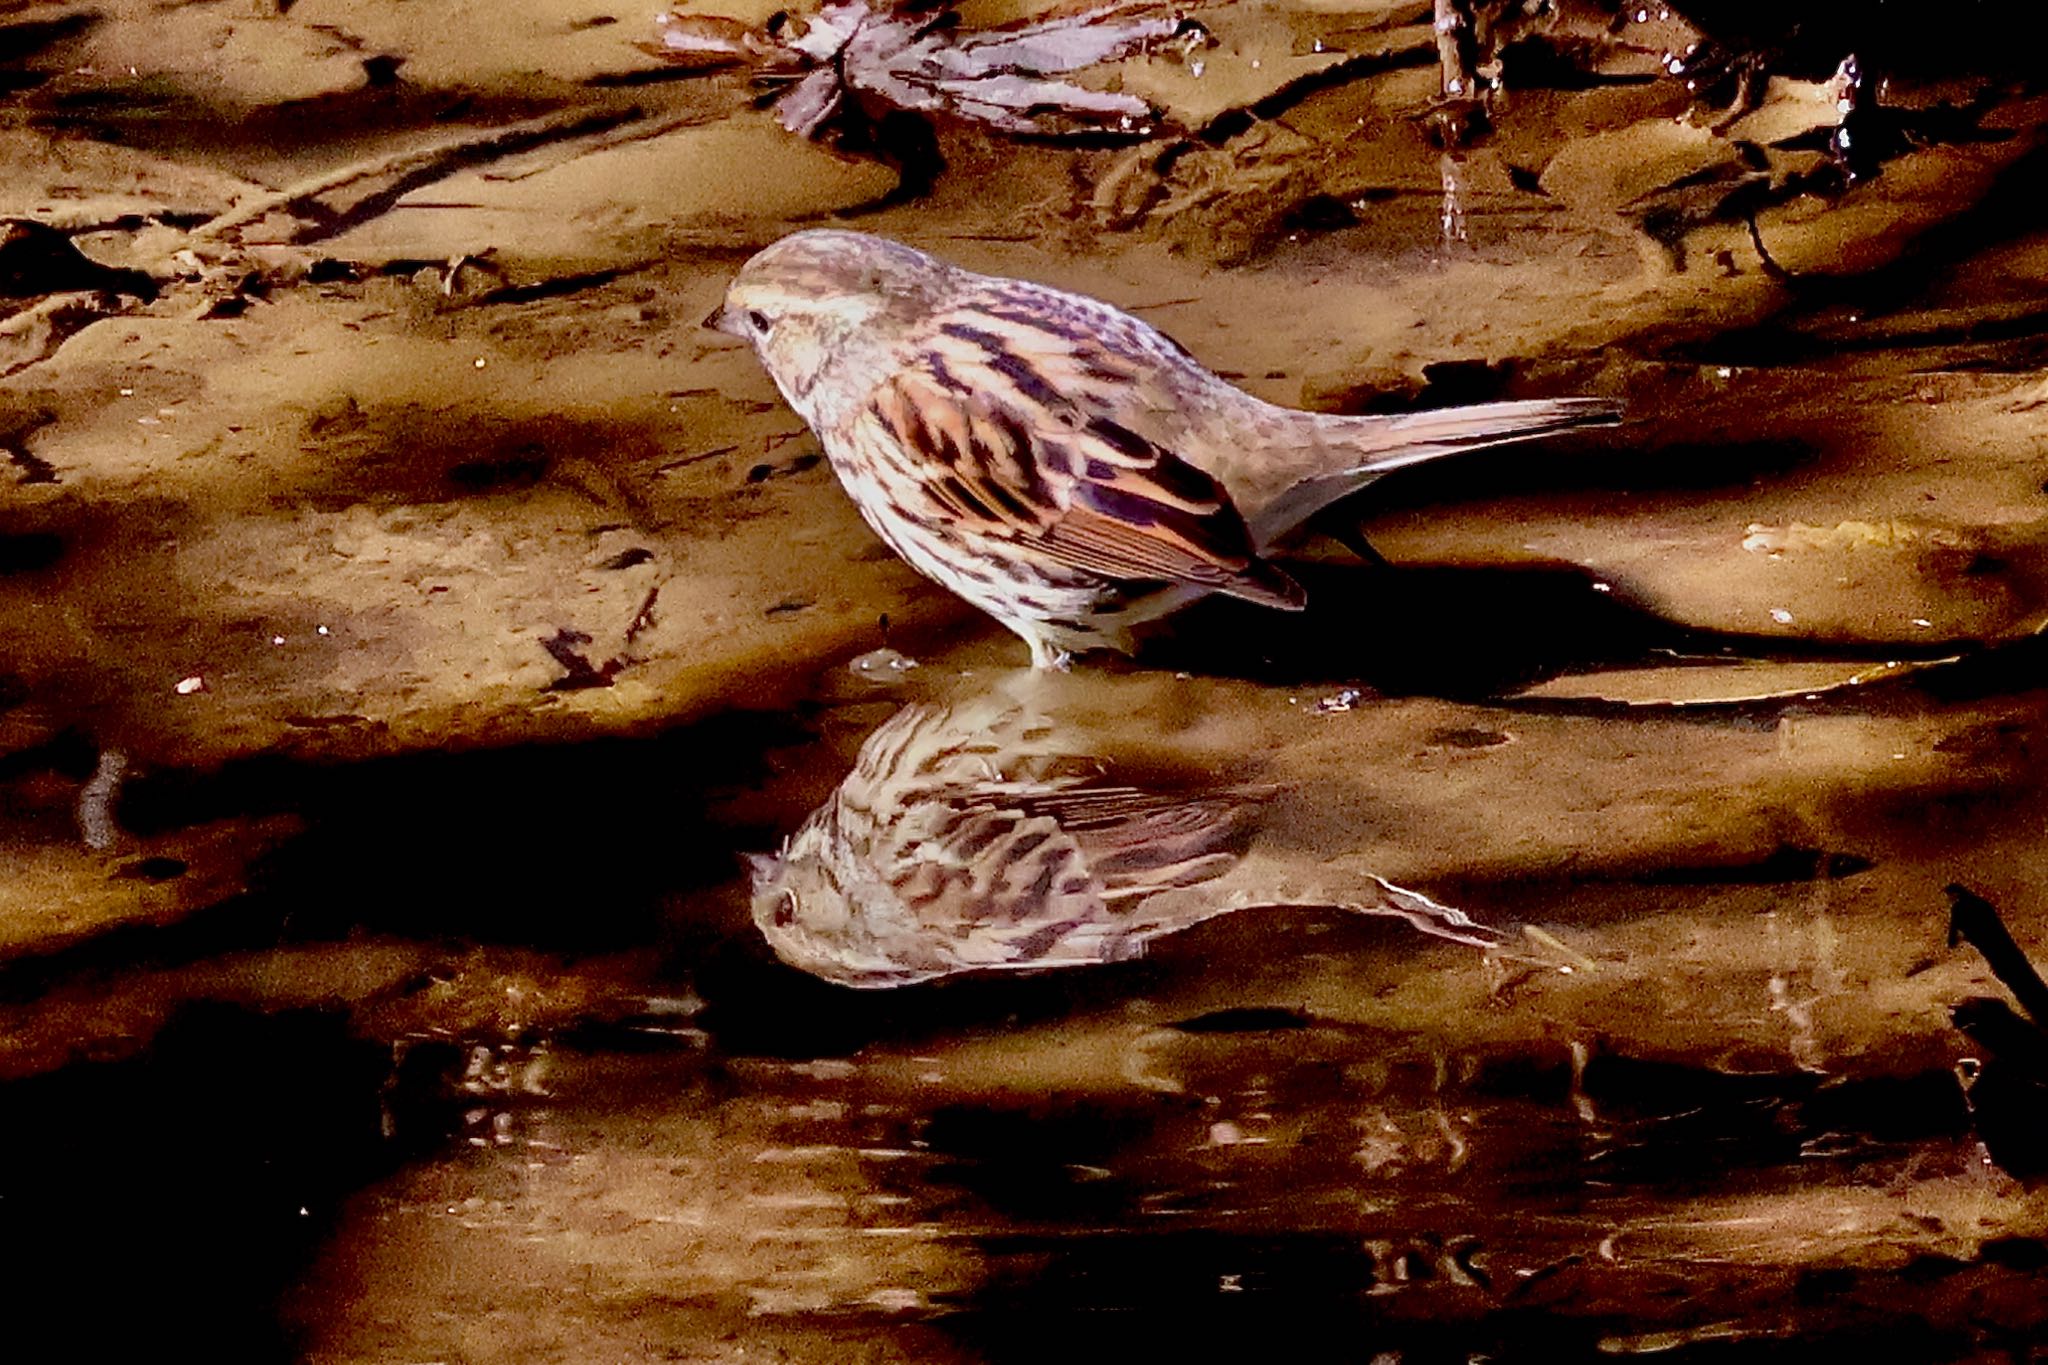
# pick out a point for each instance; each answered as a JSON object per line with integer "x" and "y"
{"x": 1974, "y": 920}
{"x": 410, "y": 169}
{"x": 34, "y": 334}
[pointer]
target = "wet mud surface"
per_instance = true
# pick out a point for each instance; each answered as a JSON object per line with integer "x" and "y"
{"x": 410, "y": 617}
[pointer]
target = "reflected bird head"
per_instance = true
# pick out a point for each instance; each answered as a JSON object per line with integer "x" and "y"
{"x": 811, "y": 904}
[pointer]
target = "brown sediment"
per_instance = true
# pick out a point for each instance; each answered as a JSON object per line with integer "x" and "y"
{"x": 409, "y": 615}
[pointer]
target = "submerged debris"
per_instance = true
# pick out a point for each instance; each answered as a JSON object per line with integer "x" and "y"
{"x": 853, "y": 63}
{"x": 1486, "y": 46}
{"x": 2007, "y": 1087}
{"x": 1976, "y": 921}
{"x": 37, "y": 260}
{"x": 64, "y": 290}
{"x": 96, "y": 822}
{"x": 1340, "y": 701}
{"x": 580, "y": 673}
{"x": 882, "y": 665}
{"x": 1891, "y": 533}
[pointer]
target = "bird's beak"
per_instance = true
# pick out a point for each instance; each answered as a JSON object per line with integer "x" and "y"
{"x": 716, "y": 319}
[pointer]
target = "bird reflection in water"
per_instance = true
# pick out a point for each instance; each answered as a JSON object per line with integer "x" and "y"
{"x": 972, "y": 838}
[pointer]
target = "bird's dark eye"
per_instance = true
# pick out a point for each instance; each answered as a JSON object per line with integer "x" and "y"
{"x": 758, "y": 320}
{"x": 785, "y": 913}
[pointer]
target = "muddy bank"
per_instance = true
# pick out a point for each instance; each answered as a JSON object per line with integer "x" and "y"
{"x": 409, "y": 616}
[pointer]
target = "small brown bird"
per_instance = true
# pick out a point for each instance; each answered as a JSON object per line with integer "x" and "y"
{"x": 1057, "y": 462}
{"x": 974, "y": 838}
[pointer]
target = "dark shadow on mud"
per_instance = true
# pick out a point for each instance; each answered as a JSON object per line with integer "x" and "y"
{"x": 158, "y": 114}
{"x": 1216, "y": 1296}
{"x": 159, "y": 1204}
{"x": 1919, "y": 38}
{"x": 571, "y": 847}
{"x": 1836, "y": 316}
{"x": 559, "y": 845}
{"x": 415, "y": 455}
{"x": 32, "y": 50}
{"x": 1466, "y": 632}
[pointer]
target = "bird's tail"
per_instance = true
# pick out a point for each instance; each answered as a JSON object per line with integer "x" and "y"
{"x": 1357, "y": 450}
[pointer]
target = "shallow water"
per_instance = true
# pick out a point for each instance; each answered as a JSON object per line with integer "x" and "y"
{"x": 409, "y": 616}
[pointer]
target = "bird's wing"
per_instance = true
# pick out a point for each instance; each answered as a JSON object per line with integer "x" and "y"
{"x": 992, "y": 444}
{"x": 1030, "y": 879}
{"x": 1139, "y": 842}
{"x": 999, "y": 859}
{"x": 1004, "y": 883}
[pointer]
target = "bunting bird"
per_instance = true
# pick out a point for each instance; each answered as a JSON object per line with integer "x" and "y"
{"x": 1062, "y": 465}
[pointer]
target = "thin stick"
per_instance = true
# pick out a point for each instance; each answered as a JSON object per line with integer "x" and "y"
{"x": 1977, "y": 921}
{"x": 417, "y": 166}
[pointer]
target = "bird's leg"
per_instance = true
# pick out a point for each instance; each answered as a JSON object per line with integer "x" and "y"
{"x": 1045, "y": 655}
{"x": 1347, "y": 532}
{"x": 1353, "y": 539}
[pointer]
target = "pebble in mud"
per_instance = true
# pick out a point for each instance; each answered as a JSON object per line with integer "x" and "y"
{"x": 882, "y": 666}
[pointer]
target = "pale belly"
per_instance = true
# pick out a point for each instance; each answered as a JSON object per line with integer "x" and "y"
{"x": 1057, "y": 611}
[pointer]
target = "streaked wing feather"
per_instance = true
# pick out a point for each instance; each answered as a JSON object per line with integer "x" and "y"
{"x": 1017, "y": 877}
{"x": 1086, "y": 538}
{"x": 1137, "y": 842}
{"x": 1001, "y": 451}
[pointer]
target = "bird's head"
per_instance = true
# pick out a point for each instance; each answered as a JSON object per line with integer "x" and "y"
{"x": 821, "y": 301}
{"x": 820, "y": 911}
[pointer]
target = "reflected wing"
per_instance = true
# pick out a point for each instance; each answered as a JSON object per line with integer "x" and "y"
{"x": 993, "y": 446}
{"x": 1007, "y": 865}
{"x": 1136, "y": 843}
{"x": 1039, "y": 878}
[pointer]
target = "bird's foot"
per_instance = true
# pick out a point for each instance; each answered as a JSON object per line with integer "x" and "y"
{"x": 1045, "y": 655}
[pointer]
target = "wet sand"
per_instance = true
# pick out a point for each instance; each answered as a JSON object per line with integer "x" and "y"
{"x": 409, "y": 615}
